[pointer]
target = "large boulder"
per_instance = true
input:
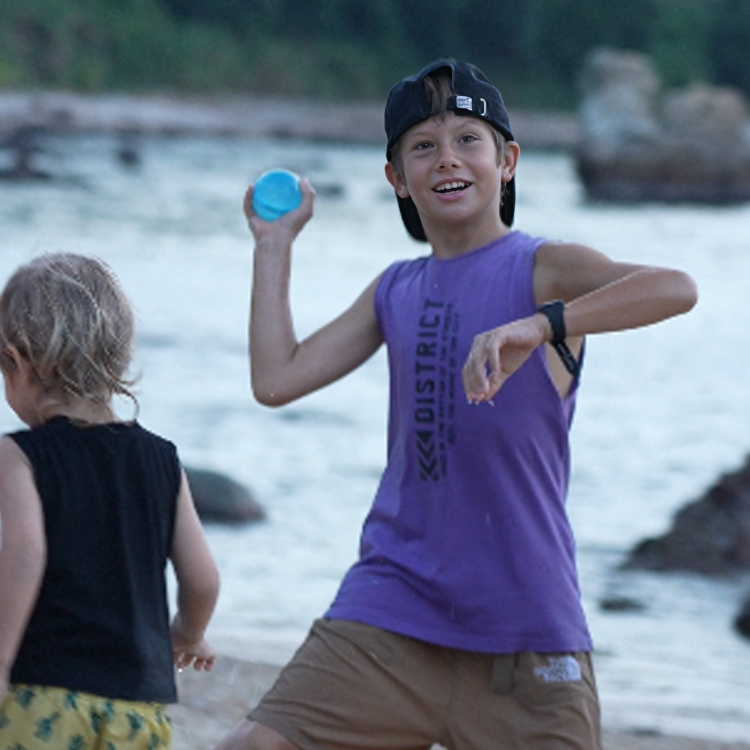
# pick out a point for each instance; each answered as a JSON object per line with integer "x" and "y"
{"x": 617, "y": 113}
{"x": 642, "y": 143}
{"x": 219, "y": 499}
{"x": 710, "y": 536}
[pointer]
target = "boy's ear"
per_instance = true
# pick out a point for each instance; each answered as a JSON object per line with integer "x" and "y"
{"x": 397, "y": 181}
{"x": 510, "y": 160}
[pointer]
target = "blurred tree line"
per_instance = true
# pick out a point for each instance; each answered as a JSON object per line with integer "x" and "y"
{"x": 531, "y": 49}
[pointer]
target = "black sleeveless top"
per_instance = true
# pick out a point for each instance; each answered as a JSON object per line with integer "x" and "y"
{"x": 101, "y": 622}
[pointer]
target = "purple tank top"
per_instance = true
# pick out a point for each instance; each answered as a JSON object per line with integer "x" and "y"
{"x": 468, "y": 543}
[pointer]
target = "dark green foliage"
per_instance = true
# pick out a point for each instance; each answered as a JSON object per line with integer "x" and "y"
{"x": 94, "y": 45}
{"x": 681, "y": 40}
{"x": 532, "y": 49}
{"x": 728, "y": 46}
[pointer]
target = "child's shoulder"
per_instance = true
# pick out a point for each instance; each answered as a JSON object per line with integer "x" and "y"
{"x": 143, "y": 434}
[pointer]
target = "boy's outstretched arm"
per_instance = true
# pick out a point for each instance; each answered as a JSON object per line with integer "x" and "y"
{"x": 602, "y": 295}
{"x": 599, "y": 295}
{"x": 197, "y": 586}
{"x": 282, "y": 368}
{"x": 23, "y": 552}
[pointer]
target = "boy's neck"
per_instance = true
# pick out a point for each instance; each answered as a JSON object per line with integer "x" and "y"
{"x": 455, "y": 241}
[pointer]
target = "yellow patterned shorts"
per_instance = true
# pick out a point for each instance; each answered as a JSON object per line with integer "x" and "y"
{"x": 34, "y": 717}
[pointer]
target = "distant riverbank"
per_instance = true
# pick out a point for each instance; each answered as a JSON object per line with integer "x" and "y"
{"x": 246, "y": 116}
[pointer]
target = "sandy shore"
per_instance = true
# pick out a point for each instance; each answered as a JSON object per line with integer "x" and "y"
{"x": 245, "y": 116}
{"x": 213, "y": 703}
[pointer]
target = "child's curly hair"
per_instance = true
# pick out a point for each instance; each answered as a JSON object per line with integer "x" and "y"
{"x": 68, "y": 316}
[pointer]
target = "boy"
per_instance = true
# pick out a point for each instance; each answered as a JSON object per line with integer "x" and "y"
{"x": 461, "y": 622}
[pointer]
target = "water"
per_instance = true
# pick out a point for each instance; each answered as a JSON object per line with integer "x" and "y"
{"x": 663, "y": 411}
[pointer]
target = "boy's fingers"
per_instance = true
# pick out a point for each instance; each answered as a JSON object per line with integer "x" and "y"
{"x": 492, "y": 359}
{"x": 308, "y": 195}
{"x": 483, "y": 373}
{"x": 247, "y": 201}
{"x": 475, "y": 380}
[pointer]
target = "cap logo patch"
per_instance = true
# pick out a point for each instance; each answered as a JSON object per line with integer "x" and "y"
{"x": 464, "y": 102}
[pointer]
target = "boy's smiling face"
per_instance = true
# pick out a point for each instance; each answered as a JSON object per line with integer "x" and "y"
{"x": 453, "y": 171}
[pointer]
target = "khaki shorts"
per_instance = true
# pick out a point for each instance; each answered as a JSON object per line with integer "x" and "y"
{"x": 34, "y": 717}
{"x": 354, "y": 686}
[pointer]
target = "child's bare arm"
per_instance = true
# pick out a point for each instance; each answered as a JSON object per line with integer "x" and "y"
{"x": 602, "y": 295}
{"x": 197, "y": 585}
{"x": 282, "y": 368}
{"x": 599, "y": 295}
{"x": 23, "y": 551}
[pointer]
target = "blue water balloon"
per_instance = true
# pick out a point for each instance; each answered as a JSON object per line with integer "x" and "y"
{"x": 276, "y": 192}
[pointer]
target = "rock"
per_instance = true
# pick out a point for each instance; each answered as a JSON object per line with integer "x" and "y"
{"x": 621, "y": 604}
{"x": 619, "y": 96}
{"x": 742, "y": 621}
{"x": 66, "y": 112}
{"x": 329, "y": 189}
{"x": 710, "y": 536}
{"x": 702, "y": 111}
{"x": 220, "y": 499}
{"x": 641, "y": 144}
{"x": 253, "y": 116}
{"x": 128, "y": 149}
{"x": 24, "y": 143}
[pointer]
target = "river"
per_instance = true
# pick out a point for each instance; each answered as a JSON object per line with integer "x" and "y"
{"x": 662, "y": 412}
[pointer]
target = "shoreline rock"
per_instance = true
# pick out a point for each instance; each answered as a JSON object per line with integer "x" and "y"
{"x": 220, "y": 499}
{"x": 709, "y": 536}
{"x": 688, "y": 145}
{"x": 742, "y": 619}
{"x": 357, "y": 122}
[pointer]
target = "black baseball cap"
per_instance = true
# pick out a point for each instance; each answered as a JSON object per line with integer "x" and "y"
{"x": 473, "y": 95}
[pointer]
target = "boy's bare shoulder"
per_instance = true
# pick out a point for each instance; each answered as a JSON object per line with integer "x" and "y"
{"x": 561, "y": 252}
{"x": 566, "y": 270}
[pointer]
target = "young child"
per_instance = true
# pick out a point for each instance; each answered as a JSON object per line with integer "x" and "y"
{"x": 461, "y": 622}
{"x": 91, "y": 509}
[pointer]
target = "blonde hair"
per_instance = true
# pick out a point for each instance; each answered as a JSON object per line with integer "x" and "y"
{"x": 68, "y": 316}
{"x": 439, "y": 88}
